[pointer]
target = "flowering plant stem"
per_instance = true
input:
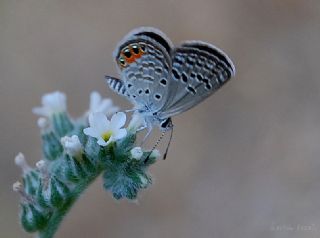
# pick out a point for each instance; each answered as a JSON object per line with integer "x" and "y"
{"x": 58, "y": 215}
{"x": 75, "y": 153}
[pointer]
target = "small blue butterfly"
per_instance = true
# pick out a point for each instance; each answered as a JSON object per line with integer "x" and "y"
{"x": 162, "y": 80}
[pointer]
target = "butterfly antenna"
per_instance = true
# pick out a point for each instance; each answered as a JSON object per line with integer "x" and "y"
{"x": 155, "y": 146}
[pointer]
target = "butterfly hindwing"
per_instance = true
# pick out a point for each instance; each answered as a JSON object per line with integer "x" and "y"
{"x": 198, "y": 70}
{"x": 146, "y": 75}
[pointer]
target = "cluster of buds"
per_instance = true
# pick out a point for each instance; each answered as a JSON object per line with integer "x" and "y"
{"x": 75, "y": 152}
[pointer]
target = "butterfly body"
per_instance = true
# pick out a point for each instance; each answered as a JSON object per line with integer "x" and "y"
{"x": 162, "y": 80}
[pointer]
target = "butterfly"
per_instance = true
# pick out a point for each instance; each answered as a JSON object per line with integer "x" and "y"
{"x": 162, "y": 80}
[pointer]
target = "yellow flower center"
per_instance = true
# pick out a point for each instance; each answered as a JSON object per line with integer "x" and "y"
{"x": 106, "y": 136}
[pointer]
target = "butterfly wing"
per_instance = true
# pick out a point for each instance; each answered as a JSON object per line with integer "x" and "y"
{"x": 144, "y": 64}
{"x": 198, "y": 70}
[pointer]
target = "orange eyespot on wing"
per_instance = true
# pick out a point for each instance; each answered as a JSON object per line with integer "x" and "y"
{"x": 129, "y": 54}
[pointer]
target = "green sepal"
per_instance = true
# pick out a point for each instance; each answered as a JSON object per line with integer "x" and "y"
{"x": 92, "y": 150}
{"x": 87, "y": 165}
{"x": 51, "y": 146}
{"x": 53, "y": 194}
{"x": 31, "y": 182}
{"x": 72, "y": 169}
{"x": 59, "y": 192}
{"x": 43, "y": 195}
{"x": 79, "y": 125}
{"x": 32, "y": 218}
{"x": 62, "y": 124}
{"x": 124, "y": 180}
{"x": 126, "y": 144}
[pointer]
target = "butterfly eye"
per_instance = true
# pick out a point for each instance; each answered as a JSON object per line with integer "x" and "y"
{"x": 135, "y": 49}
{"x": 127, "y": 53}
{"x": 122, "y": 62}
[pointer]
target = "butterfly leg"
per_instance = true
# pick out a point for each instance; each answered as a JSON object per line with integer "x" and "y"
{"x": 130, "y": 110}
{"x": 147, "y": 134}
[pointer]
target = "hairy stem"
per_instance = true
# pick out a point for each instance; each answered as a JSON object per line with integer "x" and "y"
{"x": 59, "y": 214}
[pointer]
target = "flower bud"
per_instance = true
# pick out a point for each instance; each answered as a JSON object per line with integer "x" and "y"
{"x": 20, "y": 161}
{"x": 72, "y": 146}
{"x": 136, "y": 153}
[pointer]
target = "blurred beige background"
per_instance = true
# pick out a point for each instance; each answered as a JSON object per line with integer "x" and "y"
{"x": 245, "y": 163}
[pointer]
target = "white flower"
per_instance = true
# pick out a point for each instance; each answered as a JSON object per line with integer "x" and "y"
{"x": 99, "y": 104}
{"x": 136, "y": 153}
{"x": 72, "y": 145}
{"x": 137, "y": 122}
{"x": 52, "y": 103}
{"x": 104, "y": 130}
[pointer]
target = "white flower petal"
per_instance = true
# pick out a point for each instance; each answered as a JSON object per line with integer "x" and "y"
{"x": 102, "y": 142}
{"x": 91, "y": 119}
{"x": 101, "y": 128}
{"x": 104, "y": 105}
{"x": 95, "y": 99}
{"x": 41, "y": 111}
{"x": 98, "y": 104}
{"x": 99, "y": 121}
{"x": 118, "y": 120}
{"x": 119, "y": 134}
{"x": 90, "y": 131}
{"x": 107, "y": 108}
{"x": 55, "y": 102}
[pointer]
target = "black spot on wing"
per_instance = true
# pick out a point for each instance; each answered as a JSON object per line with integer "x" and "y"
{"x": 184, "y": 77}
{"x": 163, "y": 82}
{"x": 191, "y": 89}
{"x": 157, "y": 96}
{"x": 175, "y": 74}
